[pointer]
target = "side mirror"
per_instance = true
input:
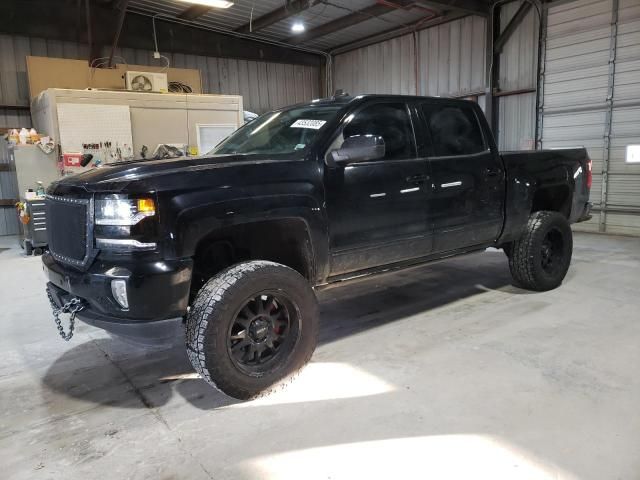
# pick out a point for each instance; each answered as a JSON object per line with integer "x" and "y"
{"x": 358, "y": 148}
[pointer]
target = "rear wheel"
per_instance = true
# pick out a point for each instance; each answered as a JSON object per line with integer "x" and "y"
{"x": 252, "y": 327}
{"x": 540, "y": 258}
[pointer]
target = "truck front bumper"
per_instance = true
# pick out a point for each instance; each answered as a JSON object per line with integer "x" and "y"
{"x": 157, "y": 295}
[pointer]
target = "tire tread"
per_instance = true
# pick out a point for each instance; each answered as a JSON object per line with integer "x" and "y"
{"x": 521, "y": 258}
{"x": 211, "y": 303}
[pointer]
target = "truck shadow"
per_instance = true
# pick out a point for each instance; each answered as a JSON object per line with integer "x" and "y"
{"x": 109, "y": 371}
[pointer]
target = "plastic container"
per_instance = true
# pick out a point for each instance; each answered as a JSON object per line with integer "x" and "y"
{"x": 14, "y": 137}
{"x": 23, "y": 135}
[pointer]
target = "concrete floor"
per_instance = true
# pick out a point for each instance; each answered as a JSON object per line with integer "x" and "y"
{"x": 444, "y": 371}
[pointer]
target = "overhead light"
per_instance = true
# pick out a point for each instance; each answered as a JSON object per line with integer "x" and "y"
{"x": 297, "y": 27}
{"x": 210, "y": 3}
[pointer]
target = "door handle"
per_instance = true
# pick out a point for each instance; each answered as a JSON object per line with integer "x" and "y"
{"x": 417, "y": 179}
{"x": 492, "y": 172}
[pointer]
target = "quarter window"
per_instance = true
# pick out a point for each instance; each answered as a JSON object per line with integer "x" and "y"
{"x": 454, "y": 130}
{"x": 391, "y": 122}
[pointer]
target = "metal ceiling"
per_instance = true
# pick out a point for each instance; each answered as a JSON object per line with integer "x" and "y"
{"x": 392, "y": 20}
{"x": 372, "y": 17}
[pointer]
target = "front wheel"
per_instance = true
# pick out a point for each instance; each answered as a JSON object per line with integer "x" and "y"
{"x": 540, "y": 258}
{"x": 251, "y": 327}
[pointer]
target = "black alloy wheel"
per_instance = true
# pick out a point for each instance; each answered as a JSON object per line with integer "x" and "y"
{"x": 261, "y": 331}
{"x": 539, "y": 259}
{"x": 552, "y": 251}
{"x": 252, "y": 327}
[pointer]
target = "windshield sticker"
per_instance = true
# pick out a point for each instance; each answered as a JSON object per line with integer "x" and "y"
{"x": 315, "y": 124}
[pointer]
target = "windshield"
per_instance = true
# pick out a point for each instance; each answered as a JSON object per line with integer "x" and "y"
{"x": 281, "y": 132}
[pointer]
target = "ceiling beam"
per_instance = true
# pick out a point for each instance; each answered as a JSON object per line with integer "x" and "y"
{"x": 95, "y": 48}
{"x": 344, "y": 22}
{"x": 290, "y": 9}
{"x": 473, "y": 7}
{"x": 193, "y": 12}
{"x": 511, "y": 27}
{"x": 116, "y": 37}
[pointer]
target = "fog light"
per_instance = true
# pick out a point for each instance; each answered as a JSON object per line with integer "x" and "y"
{"x": 119, "y": 291}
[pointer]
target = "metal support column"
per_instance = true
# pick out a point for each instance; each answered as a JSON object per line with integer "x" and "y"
{"x": 492, "y": 70}
{"x": 542, "y": 62}
{"x": 613, "y": 41}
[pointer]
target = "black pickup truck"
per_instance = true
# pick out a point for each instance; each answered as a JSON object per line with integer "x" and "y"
{"x": 231, "y": 245}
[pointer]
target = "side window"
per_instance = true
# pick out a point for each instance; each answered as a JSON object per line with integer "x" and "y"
{"x": 391, "y": 122}
{"x": 454, "y": 130}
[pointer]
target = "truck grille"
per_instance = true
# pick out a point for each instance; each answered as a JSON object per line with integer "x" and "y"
{"x": 68, "y": 229}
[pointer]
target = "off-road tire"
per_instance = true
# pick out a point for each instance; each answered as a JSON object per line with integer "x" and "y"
{"x": 214, "y": 310}
{"x": 526, "y": 253}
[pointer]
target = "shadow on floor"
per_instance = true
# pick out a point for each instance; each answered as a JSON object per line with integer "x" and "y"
{"x": 127, "y": 376}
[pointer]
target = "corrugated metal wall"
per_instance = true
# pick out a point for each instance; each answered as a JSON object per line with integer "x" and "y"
{"x": 623, "y": 192}
{"x": 263, "y": 85}
{"x": 385, "y": 67}
{"x": 450, "y": 62}
{"x": 518, "y": 71}
{"x": 451, "y": 59}
{"x": 592, "y": 99}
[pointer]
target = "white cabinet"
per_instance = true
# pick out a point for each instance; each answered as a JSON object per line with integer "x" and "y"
{"x": 155, "y": 118}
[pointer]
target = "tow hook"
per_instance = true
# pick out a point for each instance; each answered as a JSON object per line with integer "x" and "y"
{"x": 72, "y": 307}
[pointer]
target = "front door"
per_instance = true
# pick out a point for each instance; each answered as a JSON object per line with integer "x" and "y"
{"x": 378, "y": 209}
{"x": 467, "y": 198}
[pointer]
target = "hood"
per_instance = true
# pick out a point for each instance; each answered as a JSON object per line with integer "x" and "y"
{"x": 117, "y": 176}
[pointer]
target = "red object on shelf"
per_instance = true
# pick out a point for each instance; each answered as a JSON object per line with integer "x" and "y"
{"x": 71, "y": 159}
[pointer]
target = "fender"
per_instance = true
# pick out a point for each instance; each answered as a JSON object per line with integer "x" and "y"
{"x": 532, "y": 173}
{"x": 193, "y": 224}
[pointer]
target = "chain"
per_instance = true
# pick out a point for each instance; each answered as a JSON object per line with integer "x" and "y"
{"x": 72, "y": 307}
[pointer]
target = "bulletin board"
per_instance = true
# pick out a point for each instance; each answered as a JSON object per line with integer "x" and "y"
{"x": 82, "y": 124}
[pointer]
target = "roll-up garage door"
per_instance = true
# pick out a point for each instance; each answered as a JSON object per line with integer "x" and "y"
{"x": 591, "y": 97}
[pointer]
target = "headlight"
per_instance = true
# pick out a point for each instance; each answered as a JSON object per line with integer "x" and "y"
{"x": 117, "y": 211}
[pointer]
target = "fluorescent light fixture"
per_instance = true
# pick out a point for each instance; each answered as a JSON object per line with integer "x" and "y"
{"x": 297, "y": 27}
{"x": 210, "y": 3}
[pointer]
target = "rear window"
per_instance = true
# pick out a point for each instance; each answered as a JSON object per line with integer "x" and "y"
{"x": 454, "y": 130}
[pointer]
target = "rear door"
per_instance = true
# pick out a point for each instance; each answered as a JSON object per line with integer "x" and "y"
{"x": 467, "y": 198}
{"x": 378, "y": 209}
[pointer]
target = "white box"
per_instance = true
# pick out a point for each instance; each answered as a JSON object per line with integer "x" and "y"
{"x": 146, "y": 81}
